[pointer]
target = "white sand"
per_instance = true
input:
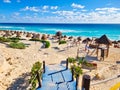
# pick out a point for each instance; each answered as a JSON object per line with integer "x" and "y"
{"x": 18, "y": 62}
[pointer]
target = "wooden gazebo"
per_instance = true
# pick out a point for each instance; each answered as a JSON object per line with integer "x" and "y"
{"x": 103, "y": 40}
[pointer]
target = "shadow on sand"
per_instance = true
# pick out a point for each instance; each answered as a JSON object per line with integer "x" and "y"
{"x": 20, "y": 83}
{"x": 91, "y": 58}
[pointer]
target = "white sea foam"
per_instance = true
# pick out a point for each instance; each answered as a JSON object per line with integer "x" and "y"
{"x": 68, "y": 30}
{"x": 11, "y": 27}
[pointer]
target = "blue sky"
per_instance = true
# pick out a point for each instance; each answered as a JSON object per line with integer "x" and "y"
{"x": 60, "y": 11}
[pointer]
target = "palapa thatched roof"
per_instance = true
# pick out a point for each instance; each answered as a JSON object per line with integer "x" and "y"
{"x": 86, "y": 40}
{"x": 104, "y": 40}
{"x": 59, "y": 33}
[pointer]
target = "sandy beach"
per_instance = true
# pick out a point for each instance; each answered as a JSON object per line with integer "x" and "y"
{"x": 15, "y": 64}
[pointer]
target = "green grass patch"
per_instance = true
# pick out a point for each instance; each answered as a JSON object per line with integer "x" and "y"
{"x": 47, "y": 43}
{"x": 3, "y": 39}
{"x": 62, "y": 42}
{"x": 17, "y": 45}
{"x": 37, "y": 67}
{"x": 14, "y": 39}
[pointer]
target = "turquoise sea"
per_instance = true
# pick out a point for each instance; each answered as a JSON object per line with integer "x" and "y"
{"x": 85, "y": 30}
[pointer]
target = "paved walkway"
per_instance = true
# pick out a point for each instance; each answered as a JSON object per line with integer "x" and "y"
{"x": 57, "y": 77}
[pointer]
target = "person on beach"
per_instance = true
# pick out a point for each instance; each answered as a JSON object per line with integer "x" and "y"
{"x": 87, "y": 48}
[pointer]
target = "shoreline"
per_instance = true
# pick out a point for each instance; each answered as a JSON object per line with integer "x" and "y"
{"x": 83, "y": 30}
{"x": 82, "y": 37}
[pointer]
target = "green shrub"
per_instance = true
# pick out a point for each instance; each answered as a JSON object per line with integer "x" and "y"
{"x": 14, "y": 39}
{"x": 77, "y": 70}
{"x": 47, "y": 43}
{"x": 17, "y": 45}
{"x": 71, "y": 60}
{"x": 37, "y": 67}
{"x": 3, "y": 39}
{"x": 35, "y": 39}
{"x": 62, "y": 42}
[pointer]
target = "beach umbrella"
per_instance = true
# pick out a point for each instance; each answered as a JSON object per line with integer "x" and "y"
{"x": 28, "y": 35}
{"x": 7, "y": 34}
{"x": 118, "y": 41}
{"x": 71, "y": 37}
{"x": 59, "y": 33}
{"x": 34, "y": 35}
{"x": 104, "y": 40}
{"x": 18, "y": 34}
{"x": 12, "y": 32}
{"x": 64, "y": 37}
{"x": 86, "y": 40}
{"x": 44, "y": 37}
{"x": 38, "y": 36}
{"x": 115, "y": 42}
{"x": 79, "y": 38}
{"x": 96, "y": 39}
{"x": 48, "y": 35}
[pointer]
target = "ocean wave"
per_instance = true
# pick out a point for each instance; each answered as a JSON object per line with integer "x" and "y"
{"x": 11, "y": 27}
{"x": 69, "y": 30}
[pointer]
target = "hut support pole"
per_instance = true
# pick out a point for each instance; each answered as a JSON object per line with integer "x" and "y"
{"x": 107, "y": 50}
{"x": 67, "y": 64}
{"x": 97, "y": 49}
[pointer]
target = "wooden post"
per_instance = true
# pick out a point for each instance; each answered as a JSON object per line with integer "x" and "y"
{"x": 39, "y": 80}
{"x": 77, "y": 81}
{"x": 43, "y": 66}
{"x": 107, "y": 50}
{"x": 86, "y": 82}
{"x": 97, "y": 49}
{"x": 72, "y": 74}
{"x": 67, "y": 64}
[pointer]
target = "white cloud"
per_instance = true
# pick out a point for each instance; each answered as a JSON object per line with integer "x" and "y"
{"x": 6, "y": 1}
{"x": 16, "y": 13}
{"x": 54, "y": 7}
{"x": 64, "y": 13}
{"x": 45, "y": 7}
{"x": 27, "y": 8}
{"x": 96, "y": 16}
{"x": 108, "y": 9}
{"x": 84, "y": 10}
{"x": 74, "y": 5}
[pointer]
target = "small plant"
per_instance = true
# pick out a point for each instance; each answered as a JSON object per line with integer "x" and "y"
{"x": 77, "y": 70}
{"x": 17, "y": 45}
{"x": 46, "y": 43}
{"x": 62, "y": 42}
{"x": 3, "y": 39}
{"x": 80, "y": 60}
{"x": 14, "y": 39}
{"x": 71, "y": 60}
{"x": 33, "y": 80}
